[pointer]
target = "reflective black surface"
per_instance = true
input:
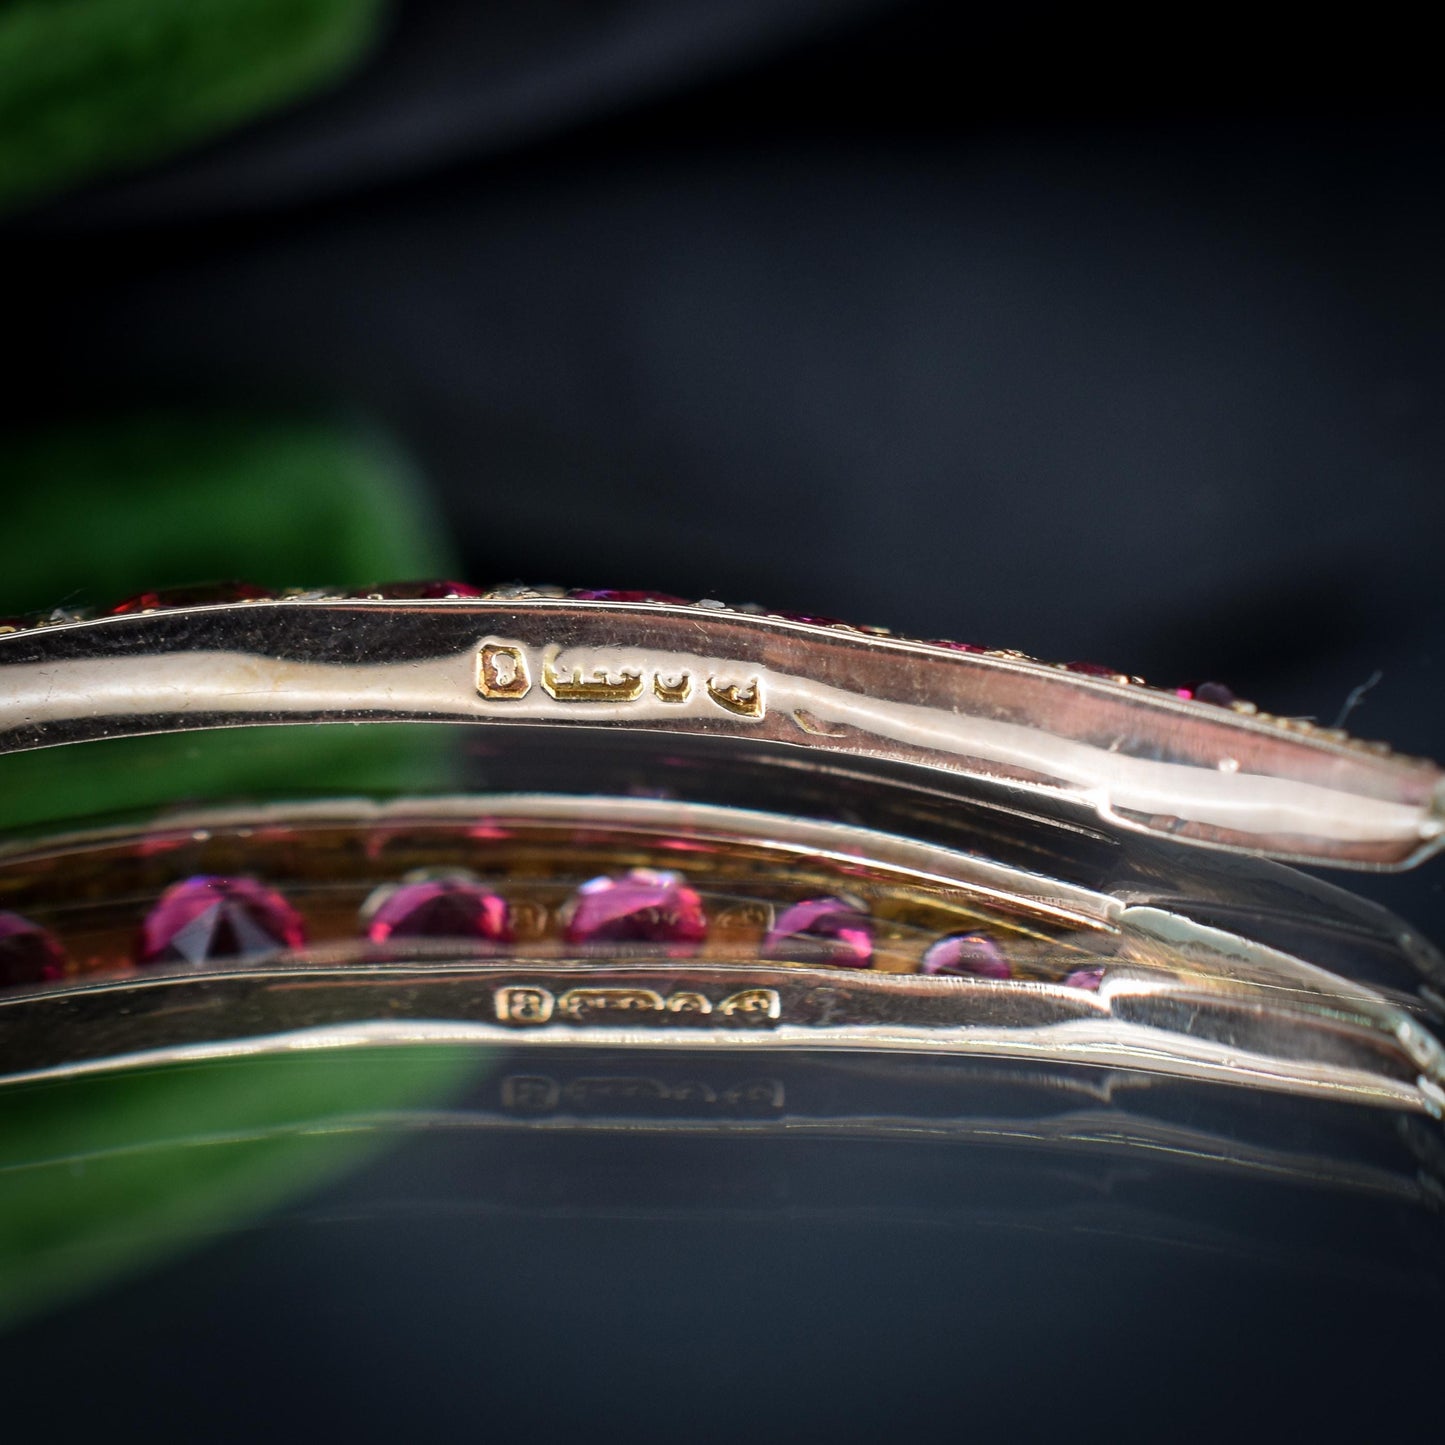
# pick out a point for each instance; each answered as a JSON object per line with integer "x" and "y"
{"x": 689, "y": 1249}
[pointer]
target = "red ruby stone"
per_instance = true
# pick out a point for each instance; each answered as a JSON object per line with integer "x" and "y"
{"x": 968, "y": 954}
{"x": 829, "y": 931}
{"x": 645, "y": 905}
{"x": 811, "y": 621}
{"x": 1091, "y": 669}
{"x": 1088, "y": 978}
{"x": 213, "y": 594}
{"x": 441, "y": 908}
{"x": 208, "y": 917}
{"x": 1215, "y": 693}
{"x": 957, "y": 646}
{"x": 418, "y": 591}
{"x": 28, "y": 954}
{"x": 608, "y": 594}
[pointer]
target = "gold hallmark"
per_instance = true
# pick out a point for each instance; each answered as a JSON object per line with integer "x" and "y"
{"x": 527, "y": 919}
{"x": 503, "y": 675}
{"x": 743, "y": 701}
{"x": 529, "y": 1004}
{"x": 502, "y": 672}
{"x": 676, "y": 687}
{"x": 688, "y": 1003}
{"x": 524, "y": 1005}
{"x": 587, "y": 1003}
{"x": 752, "y": 1005}
{"x": 575, "y": 688}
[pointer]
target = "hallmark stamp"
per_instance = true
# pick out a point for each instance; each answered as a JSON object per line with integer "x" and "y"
{"x": 582, "y": 1004}
{"x": 600, "y": 688}
{"x": 532, "y": 1005}
{"x": 672, "y": 687}
{"x": 502, "y": 672}
{"x": 505, "y": 674}
{"x": 740, "y": 701}
{"x": 524, "y": 1005}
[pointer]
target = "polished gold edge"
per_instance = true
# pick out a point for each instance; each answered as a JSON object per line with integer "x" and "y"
{"x": 1105, "y": 1044}
{"x": 571, "y": 687}
{"x": 1140, "y": 759}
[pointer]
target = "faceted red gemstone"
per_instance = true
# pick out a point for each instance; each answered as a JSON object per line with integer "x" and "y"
{"x": 209, "y": 917}
{"x": 812, "y": 621}
{"x": 1091, "y": 669}
{"x": 1089, "y": 978}
{"x": 829, "y": 931}
{"x": 969, "y": 954}
{"x": 441, "y": 908}
{"x": 418, "y": 591}
{"x": 1211, "y": 692}
{"x": 607, "y": 594}
{"x": 28, "y": 954}
{"x": 642, "y": 906}
{"x": 957, "y": 646}
{"x": 210, "y": 595}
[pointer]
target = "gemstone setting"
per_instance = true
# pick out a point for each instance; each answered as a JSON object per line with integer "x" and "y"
{"x": 212, "y": 917}
{"x": 643, "y": 905}
{"x": 968, "y": 955}
{"x": 831, "y": 931}
{"x": 456, "y": 907}
{"x": 211, "y": 595}
{"x": 607, "y": 594}
{"x": 435, "y": 591}
{"x": 28, "y": 953}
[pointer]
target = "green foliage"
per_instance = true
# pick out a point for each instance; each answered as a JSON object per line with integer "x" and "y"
{"x": 91, "y": 86}
{"x": 113, "y": 507}
{"x": 98, "y": 511}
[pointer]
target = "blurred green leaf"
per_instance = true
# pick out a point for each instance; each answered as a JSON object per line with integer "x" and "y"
{"x": 112, "y": 507}
{"x": 92, "y": 86}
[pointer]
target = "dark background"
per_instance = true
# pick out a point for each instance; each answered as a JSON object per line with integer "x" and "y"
{"x": 1115, "y": 337}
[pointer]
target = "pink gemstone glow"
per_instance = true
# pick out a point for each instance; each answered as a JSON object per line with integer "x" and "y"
{"x": 1214, "y": 693}
{"x": 210, "y": 917}
{"x": 417, "y": 591}
{"x": 644, "y": 905}
{"x": 28, "y": 954}
{"x": 828, "y": 931}
{"x": 211, "y": 595}
{"x": 441, "y": 908}
{"x": 608, "y": 594}
{"x": 969, "y": 955}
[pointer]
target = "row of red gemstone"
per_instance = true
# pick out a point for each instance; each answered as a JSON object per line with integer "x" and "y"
{"x": 211, "y": 918}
